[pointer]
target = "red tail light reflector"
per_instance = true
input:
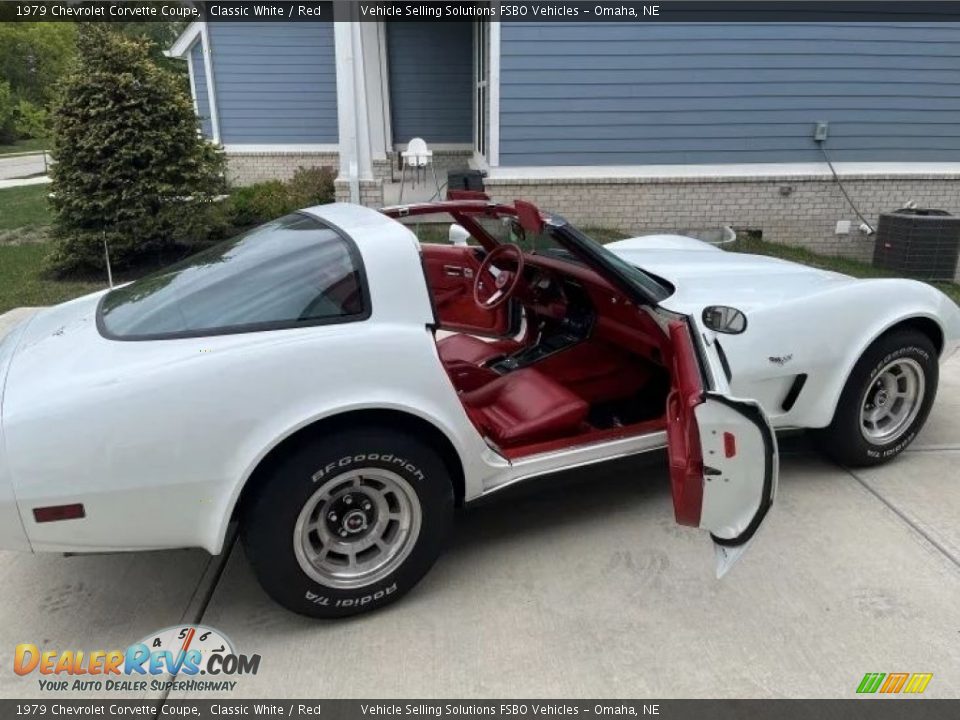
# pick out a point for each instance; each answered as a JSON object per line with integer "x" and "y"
{"x": 53, "y": 513}
{"x": 729, "y": 444}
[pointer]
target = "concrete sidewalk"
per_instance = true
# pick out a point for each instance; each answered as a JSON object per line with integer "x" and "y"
{"x": 583, "y": 589}
{"x": 23, "y": 165}
{"x": 23, "y": 182}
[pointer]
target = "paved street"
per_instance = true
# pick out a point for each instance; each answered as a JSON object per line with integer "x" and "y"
{"x": 583, "y": 589}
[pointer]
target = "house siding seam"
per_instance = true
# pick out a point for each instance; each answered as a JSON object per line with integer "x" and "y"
{"x": 200, "y": 84}
{"x": 275, "y": 82}
{"x": 430, "y": 67}
{"x": 636, "y": 94}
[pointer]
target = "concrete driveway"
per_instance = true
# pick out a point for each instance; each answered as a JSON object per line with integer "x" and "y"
{"x": 583, "y": 589}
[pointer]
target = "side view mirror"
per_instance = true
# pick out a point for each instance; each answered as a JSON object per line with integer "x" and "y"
{"x": 723, "y": 319}
{"x": 457, "y": 235}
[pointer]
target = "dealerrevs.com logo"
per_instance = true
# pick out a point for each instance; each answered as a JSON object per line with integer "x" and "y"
{"x": 182, "y": 657}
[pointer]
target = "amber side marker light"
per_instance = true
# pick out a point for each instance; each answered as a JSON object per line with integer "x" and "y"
{"x": 53, "y": 513}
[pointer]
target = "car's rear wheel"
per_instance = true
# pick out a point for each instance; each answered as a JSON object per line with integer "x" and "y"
{"x": 348, "y": 523}
{"x": 885, "y": 402}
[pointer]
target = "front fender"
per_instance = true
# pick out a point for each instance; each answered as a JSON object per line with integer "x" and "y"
{"x": 823, "y": 336}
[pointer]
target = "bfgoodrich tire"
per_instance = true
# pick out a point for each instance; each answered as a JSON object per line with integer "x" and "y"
{"x": 885, "y": 402}
{"x": 348, "y": 523}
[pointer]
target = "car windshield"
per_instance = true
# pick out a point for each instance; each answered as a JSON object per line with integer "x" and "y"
{"x": 651, "y": 288}
{"x": 290, "y": 272}
{"x": 561, "y": 240}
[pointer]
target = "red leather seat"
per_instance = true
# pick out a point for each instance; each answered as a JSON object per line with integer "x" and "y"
{"x": 466, "y": 348}
{"x": 523, "y": 407}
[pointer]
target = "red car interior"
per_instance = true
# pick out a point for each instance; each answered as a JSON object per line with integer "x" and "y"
{"x": 685, "y": 454}
{"x": 470, "y": 349}
{"x": 524, "y": 406}
{"x": 450, "y": 271}
{"x": 591, "y": 365}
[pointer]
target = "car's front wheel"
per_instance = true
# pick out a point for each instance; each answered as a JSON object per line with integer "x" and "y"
{"x": 348, "y": 523}
{"x": 885, "y": 402}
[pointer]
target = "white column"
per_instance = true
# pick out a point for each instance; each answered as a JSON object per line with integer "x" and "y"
{"x": 360, "y": 104}
{"x": 377, "y": 87}
{"x": 354, "y": 133}
{"x": 347, "y": 125}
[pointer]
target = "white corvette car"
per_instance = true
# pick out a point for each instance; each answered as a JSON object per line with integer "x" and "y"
{"x": 296, "y": 379}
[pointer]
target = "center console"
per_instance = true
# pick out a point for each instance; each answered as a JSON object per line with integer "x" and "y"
{"x": 554, "y": 334}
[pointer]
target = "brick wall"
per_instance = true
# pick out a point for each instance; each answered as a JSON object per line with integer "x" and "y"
{"x": 794, "y": 210}
{"x": 250, "y": 168}
{"x": 371, "y": 192}
{"x": 443, "y": 161}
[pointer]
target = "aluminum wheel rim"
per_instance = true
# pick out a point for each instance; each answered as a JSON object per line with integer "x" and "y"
{"x": 357, "y": 528}
{"x": 892, "y": 401}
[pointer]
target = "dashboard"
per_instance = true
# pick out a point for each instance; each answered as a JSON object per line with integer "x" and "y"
{"x": 573, "y": 302}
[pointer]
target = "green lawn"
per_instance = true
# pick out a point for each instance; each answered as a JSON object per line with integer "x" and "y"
{"x": 24, "y": 207}
{"x": 24, "y": 217}
{"x": 21, "y": 282}
{"x": 20, "y": 146}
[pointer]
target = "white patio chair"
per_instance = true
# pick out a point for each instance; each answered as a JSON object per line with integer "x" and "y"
{"x": 417, "y": 157}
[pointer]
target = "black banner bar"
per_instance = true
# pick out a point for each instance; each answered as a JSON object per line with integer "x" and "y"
{"x": 672, "y": 11}
{"x": 876, "y": 709}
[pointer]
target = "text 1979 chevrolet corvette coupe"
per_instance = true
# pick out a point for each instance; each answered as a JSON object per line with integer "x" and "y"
{"x": 293, "y": 378}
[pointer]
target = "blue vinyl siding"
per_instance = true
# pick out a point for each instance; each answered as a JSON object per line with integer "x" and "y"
{"x": 431, "y": 81}
{"x": 275, "y": 82}
{"x": 633, "y": 94}
{"x": 200, "y": 84}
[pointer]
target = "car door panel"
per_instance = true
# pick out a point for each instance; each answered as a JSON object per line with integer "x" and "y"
{"x": 722, "y": 455}
{"x": 451, "y": 271}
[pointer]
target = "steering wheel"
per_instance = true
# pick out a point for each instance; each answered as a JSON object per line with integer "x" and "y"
{"x": 493, "y": 285}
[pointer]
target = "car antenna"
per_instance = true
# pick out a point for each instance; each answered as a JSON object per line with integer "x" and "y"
{"x": 106, "y": 256}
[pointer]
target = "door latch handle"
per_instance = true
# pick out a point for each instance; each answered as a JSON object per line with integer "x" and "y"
{"x": 457, "y": 271}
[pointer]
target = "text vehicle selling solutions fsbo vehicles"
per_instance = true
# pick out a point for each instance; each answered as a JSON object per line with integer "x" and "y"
{"x": 339, "y": 387}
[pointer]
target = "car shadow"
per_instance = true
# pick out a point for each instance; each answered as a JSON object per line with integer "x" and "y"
{"x": 582, "y": 495}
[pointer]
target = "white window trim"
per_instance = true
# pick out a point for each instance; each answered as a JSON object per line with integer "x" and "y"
{"x": 193, "y": 83}
{"x": 186, "y": 39}
{"x": 493, "y": 95}
{"x": 211, "y": 89}
{"x": 385, "y": 83}
{"x": 280, "y": 148}
{"x": 731, "y": 170}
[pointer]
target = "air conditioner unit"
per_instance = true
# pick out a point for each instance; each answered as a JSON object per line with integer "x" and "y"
{"x": 918, "y": 242}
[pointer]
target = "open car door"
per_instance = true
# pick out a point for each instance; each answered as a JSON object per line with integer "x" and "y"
{"x": 722, "y": 455}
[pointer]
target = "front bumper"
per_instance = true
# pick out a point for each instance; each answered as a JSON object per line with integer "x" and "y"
{"x": 12, "y": 534}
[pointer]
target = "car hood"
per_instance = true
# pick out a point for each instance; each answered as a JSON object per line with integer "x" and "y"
{"x": 50, "y": 345}
{"x": 702, "y": 274}
{"x": 60, "y": 324}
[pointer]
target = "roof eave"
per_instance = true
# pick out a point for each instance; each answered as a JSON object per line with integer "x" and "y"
{"x": 187, "y": 38}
